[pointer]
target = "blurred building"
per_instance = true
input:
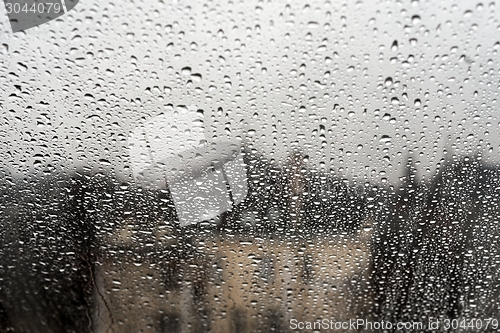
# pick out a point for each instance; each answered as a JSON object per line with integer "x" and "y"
{"x": 232, "y": 284}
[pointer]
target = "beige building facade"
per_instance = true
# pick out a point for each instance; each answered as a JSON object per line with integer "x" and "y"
{"x": 230, "y": 283}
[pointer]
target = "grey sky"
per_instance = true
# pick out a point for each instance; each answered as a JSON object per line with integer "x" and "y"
{"x": 356, "y": 87}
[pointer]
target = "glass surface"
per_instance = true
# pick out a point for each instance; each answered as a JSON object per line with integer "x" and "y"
{"x": 250, "y": 166}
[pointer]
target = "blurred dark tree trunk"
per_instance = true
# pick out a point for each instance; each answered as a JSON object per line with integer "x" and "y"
{"x": 48, "y": 262}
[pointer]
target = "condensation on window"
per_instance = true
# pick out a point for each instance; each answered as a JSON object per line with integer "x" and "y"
{"x": 251, "y": 166}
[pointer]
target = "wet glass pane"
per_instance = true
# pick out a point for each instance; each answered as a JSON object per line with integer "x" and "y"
{"x": 249, "y": 166}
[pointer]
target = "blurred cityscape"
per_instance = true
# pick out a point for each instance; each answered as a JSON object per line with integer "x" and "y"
{"x": 89, "y": 253}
